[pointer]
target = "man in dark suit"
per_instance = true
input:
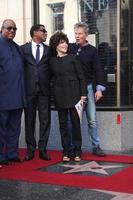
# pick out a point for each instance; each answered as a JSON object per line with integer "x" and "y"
{"x": 12, "y": 95}
{"x": 36, "y": 55}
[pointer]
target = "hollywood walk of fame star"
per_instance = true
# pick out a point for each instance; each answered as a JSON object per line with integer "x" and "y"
{"x": 118, "y": 195}
{"x": 90, "y": 166}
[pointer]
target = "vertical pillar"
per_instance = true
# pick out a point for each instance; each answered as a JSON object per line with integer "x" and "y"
{"x": 36, "y": 11}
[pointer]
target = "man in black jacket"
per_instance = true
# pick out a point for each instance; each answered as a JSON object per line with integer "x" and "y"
{"x": 88, "y": 57}
{"x": 36, "y": 55}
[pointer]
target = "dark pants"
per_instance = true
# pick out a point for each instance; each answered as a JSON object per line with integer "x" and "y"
{"x": 40, "y": 102}
{"x": 10, "y": 124}
{"x": 64, "y": 131}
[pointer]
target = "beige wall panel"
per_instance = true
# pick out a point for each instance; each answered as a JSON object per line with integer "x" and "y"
{"x": 27, "y": 27}
{"x": 27, "y": 19}
{"x": 54, "y": 1}
{"x": 21, "y": 12}
{"x": 23, "y": 32}
{"x": 28, "y": 9}
{"x": 19, "y": 33}
{"x": 70, "y": 18}
{"x": 3, "y": 10}
{"x": 15, "y": 9}
{"x": 46, "y": 17}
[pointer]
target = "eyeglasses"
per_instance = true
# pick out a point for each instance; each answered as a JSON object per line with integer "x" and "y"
{"x": 9, "y": 28}
{"x": 43, "y": 30}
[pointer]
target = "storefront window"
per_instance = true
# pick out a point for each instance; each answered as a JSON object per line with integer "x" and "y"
{"x": 126, "y": 44}
{"x": 101, "y": 17}
{"x": 113, "y": 40}
{"x": 58, "y": 10}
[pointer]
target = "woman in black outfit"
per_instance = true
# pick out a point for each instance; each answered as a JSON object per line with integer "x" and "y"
{"x": 68, "y": 88}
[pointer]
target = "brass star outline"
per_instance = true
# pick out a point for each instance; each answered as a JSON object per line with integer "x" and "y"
{"x": 91, "y": 166}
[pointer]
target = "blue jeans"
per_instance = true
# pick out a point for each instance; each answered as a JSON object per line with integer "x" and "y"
{"x": 91, "y": 117}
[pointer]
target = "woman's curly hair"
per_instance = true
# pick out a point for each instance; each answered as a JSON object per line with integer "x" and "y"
{"x": 55, "y": 39}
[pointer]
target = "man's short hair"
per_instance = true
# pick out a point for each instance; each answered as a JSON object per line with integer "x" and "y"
{"x": 35, "y": 27}
{"x": 82, "y": 25}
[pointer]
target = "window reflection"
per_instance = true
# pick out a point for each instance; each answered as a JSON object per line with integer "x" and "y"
{"x": 58, "y": 10}
{"x": 126, "y": 53}
{"x": 101, "y": 18}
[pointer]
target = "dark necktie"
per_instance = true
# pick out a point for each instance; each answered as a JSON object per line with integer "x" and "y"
{"x": 37, "y": 53}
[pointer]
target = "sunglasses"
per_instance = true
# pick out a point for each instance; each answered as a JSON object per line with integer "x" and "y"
{"x": 9, "y": 28}
{"x": 43, "y": 30}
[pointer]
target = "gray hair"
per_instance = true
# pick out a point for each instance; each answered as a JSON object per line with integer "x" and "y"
{"x": 82, "y": 25}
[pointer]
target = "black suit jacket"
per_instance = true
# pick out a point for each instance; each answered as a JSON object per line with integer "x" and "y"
{"x": 36, "y": 72}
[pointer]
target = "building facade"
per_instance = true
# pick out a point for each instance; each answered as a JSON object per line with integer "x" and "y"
{"x": 111, "y": 31}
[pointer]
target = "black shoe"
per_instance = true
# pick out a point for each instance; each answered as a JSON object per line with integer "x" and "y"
{"x": 44, "y": 156}
{"x": 4, "y": 162}
{"x": 98, "y": 151}
{"x": 29, "y": 156}
{"x": 16, "y": 159}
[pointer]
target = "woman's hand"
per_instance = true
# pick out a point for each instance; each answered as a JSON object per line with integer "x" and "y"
{"x": 83, "y": 99}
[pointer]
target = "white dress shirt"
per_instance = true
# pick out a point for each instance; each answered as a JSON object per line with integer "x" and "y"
{"x": 34, "y": 47}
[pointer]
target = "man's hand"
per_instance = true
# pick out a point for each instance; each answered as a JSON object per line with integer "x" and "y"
{"x": 98, "y": 95}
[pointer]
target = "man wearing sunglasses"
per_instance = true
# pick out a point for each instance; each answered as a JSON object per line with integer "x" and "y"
{"x": 36, "y": 55}
{"x": 12, "y": 95}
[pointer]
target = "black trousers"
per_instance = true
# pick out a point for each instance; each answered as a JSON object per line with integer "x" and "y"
{"x": 10, "y": 124}
{"x": 66, "y": 137}
{"x": 42, "y": 103}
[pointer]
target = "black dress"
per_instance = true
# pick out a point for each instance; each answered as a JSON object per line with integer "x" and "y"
{"x": 68, "y": 87}
{"x": 68, "y": 81}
